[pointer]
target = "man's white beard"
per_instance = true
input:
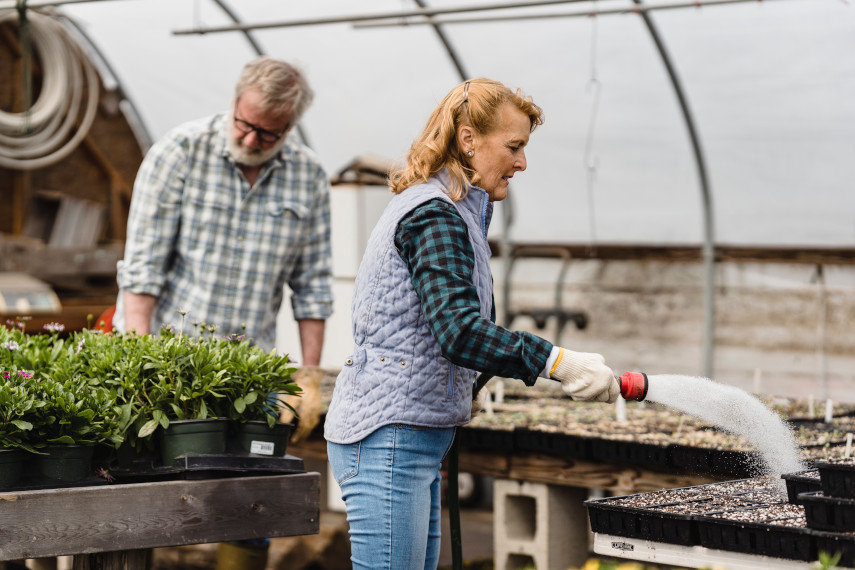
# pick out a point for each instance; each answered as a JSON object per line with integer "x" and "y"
{"x": 249, "y": 156}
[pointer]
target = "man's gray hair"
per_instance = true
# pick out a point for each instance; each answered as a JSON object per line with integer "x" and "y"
{"x": 283, "y": 87}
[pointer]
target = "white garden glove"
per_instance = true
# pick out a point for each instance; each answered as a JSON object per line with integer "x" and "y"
{"x": 308, "y": 404}
{"x": 585, "y": 376}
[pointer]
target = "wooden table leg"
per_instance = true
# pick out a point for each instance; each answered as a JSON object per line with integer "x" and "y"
{"x": 121, "y": 560}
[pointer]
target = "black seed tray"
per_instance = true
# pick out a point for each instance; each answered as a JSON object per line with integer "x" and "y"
{"x": 737, "y": 463}
{"x": 766, "y": 539}
{"x": 837, "y": 479}
{"x": 483, "y": 439}
{"x": 716, "y": 461}
{"x": 800, "y": 482}
{"x": 553, "y": 443}
{"x": 833, "y": 542}
{"x": 828, "y": 513}
{"x": 690, "y": 458}
{"x": 647, "y": 524}
{"x": 630, "y": 453}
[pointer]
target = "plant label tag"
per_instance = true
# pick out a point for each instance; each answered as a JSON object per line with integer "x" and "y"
{"x": 261, "y": 447}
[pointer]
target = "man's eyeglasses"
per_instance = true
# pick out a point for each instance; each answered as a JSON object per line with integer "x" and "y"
{"x": 263, "y": 134}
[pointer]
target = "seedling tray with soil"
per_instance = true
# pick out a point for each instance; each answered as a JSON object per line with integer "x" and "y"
{"x": 774, "y": 530}
{"x": 828, "y": 513}
{"x": 801, "y": 482}
{"x": 837, "y": 477}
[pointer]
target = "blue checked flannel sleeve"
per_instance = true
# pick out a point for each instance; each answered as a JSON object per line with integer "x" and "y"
{"x": 434, "y": 243}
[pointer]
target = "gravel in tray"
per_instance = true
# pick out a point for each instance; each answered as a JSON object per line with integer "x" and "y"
{"x": 667, "y": 496}
{"x": 765, "y": 496}
{"x": 762, "y": 514}
{"x": 702, "y": 507}
{"x": 740, "y": 486}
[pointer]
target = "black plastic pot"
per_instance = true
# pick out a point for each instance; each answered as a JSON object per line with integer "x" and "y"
{"x": 833, "y": 542}
{"x": 482, "y": 439}
{"x": 552, "y": 443}
{"x": 828, "y": 513}
{"x": 643, "y": 523}
{"x": 766, "y": 538}
{"x": 801, "y": 482}
{"x": 67, "y": 463}
{"x": 259, "y": 438}
{"x": 206, "y": 436}
{"x": 695, "y": 459}
{"x": 837, "y": 479}
{"x": 630, "y": 453}
{"x": 11, "y": 466}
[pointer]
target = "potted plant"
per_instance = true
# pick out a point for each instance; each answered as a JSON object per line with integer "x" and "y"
{"x": 73, "y": 416}
{"x": 142, "y": 389}
{"x": 15, "y": 403}
{"x": 255, "y": 381}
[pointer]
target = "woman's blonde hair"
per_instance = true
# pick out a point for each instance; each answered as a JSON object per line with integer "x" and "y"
{"x": 475, "y": 103}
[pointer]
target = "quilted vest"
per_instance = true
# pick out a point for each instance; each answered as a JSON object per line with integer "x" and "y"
{"x": 396, "y": 373}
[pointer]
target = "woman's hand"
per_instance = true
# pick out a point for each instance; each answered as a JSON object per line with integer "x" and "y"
{"x": 585, "y": 376}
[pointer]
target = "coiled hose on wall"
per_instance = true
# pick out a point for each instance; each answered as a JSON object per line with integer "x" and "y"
{"x": 41, "y": 135}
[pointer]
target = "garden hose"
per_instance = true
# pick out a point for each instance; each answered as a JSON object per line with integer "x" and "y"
{"x": 40, "y": 135}
{"x": 453, "y": 489}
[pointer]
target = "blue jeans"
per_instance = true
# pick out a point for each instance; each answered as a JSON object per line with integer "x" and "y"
{"x": 390, "y": 483}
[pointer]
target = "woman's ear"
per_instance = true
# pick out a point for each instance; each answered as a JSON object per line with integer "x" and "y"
{"x": 465, "y": 138}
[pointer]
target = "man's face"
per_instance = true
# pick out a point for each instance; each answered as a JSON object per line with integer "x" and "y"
{"x": 256, "y": 135}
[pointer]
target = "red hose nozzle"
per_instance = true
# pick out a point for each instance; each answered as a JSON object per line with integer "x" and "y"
{"x": 633, "y": 386}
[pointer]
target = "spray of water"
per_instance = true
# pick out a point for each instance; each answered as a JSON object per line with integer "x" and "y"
{"x": 735, "y": 411}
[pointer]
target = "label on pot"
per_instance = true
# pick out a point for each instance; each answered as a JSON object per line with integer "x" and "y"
{"x": 261, "y": 447}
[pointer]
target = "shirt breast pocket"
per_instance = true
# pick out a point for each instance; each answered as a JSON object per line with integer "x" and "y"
{"x": 286, "y": 226}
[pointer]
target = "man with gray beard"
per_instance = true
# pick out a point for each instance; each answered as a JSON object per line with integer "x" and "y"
{"x": 226, "y": 210}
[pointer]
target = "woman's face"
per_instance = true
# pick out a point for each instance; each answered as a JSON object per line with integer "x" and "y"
{"x": 496, "y": 157}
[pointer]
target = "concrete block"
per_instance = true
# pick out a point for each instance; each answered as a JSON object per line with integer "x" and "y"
{"x": 538, "y": 525}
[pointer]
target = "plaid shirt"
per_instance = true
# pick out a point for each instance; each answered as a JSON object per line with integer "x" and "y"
{"x": 434, "y": 243}
{"x": 201, "y": 239}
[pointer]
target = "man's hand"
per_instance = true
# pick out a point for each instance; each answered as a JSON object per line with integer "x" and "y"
{"x": 308, "y": 405}
{"x": 585, "y": 376}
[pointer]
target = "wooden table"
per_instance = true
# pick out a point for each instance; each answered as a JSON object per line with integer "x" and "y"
{"x": 112, "y": 527}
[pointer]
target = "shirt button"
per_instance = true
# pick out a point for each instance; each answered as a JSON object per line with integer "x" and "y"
{"x": 240, "y": 238}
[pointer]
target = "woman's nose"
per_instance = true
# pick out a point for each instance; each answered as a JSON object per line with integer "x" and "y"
{"x": 521, "y": 162}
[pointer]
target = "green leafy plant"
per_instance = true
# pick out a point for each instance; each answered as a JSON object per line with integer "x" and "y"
{"x": 73, "y": 412}
{"x": 16, "y": 404}
{"x": 254, "y": 381}
{"x": 115, "y": 388}
{"x": 827, "y": 560}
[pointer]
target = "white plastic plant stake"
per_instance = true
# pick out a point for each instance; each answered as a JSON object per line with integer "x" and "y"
{"x": 758, "y": 380}
{"x": 486, "y": 402}
{"x": 620, "y": 407}
{"x": 848, "y": 451}
{"x": 829, "y": 409}
{"x": 811, "y": 411}
{"x": 500, "y": 392}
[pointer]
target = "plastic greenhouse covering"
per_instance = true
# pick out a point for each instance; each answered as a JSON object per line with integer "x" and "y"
{"x": 770, "y": 87}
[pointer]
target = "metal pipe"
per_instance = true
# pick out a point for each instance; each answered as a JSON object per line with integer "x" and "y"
{"x": 709, "y": 239}
{"x": 550, "y": 16}
{"x": 369, "y": 17}
{"x": 452, "y": 53}
{"x": 301, "y": 132}
{"x": 43, "y": 3}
